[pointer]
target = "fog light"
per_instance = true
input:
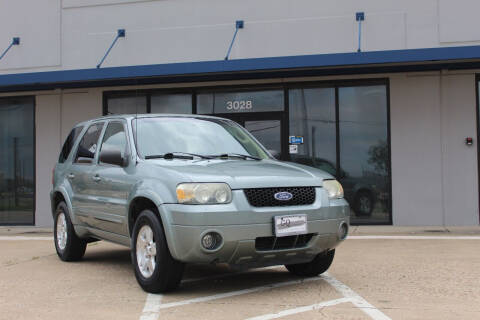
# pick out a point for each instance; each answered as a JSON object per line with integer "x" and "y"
{"x": 211, "y": 240}
{"x": 343, "y": 231}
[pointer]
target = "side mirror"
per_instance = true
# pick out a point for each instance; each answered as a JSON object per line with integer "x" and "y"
{"x": 274, "y": 153}
{"x": 113, "y": 156}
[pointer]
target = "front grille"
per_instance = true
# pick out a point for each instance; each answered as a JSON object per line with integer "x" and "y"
{"x": 264, "y": 197}
{"x": 279, "y": 243}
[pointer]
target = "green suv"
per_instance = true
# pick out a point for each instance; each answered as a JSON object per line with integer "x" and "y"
{"x": 191, "y": 189}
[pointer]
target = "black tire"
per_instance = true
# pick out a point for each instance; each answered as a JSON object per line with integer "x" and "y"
{"x": 167, "y": 271}
{"x": 74, "y": 247}
{"x": 363, "y": 204}
{"x": 317, "y": 266}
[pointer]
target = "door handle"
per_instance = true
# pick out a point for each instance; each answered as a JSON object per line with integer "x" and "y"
{"x": 71, "y": 176}
{"x": 96, "y": 178}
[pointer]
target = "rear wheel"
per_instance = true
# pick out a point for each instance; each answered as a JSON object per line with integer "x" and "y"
{"x": 317, "y": 266}
{"x": 68, "y": 245}
{"x": 363, "y": 204}
{"x": 155, "y": 269}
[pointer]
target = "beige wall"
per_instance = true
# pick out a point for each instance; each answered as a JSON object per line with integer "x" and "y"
{"x": 56, "y": 114}
{"x": 434, "y": 174}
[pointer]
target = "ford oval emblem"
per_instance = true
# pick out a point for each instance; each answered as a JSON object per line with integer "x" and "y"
{"x": 283, "y": 196}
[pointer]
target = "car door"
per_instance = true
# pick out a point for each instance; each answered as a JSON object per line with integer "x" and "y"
{"x": 79, "y": 173}
{"x": 112, "y": 183}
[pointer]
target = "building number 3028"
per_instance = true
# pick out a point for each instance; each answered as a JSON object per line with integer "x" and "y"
{"x": 237, "y": 105}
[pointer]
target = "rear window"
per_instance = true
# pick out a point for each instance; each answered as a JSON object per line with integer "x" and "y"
{"x": 69, "y": 142}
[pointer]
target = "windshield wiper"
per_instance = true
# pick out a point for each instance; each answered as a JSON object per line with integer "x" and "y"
{"x": 177, "y": 155}
{"x": 235, "y": 155}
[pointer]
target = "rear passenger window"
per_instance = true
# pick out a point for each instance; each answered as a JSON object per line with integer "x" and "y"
{"x": 69, "y": 142}
{"x": 88, "y": 145}
{"x": 115, "y": 138}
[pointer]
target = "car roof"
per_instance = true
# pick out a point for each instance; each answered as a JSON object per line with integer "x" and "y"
{"x": 149, "y": 115}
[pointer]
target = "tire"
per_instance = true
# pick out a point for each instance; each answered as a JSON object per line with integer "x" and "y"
{"x": 68, "y": 245}
{"x": 160, "y": 273}
{"x": 317, "y": 266}
{"x": 363, "y": 204}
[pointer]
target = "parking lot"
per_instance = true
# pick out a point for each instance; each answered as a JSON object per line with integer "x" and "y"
{"x": 375, "y": 275}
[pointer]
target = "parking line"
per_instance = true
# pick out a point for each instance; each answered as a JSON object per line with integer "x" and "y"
{"x": 355, "y": 298}
{"x": 236, "y": 293}
{"x": 152, "y": 307}
{"x": 414, "y": 237}
{"x": 21, "y": 238}
{"x": 312, "y": 307}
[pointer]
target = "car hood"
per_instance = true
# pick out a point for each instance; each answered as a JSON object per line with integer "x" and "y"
{"x": 240, "y": 174}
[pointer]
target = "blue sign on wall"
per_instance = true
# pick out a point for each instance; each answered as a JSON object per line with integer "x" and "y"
{"x": 296, "y": 140}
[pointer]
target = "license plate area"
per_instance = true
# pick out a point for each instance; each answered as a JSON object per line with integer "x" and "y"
{"x": 290, "y": 225}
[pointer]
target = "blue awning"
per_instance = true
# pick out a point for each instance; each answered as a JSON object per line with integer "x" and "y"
{"x": 318, "y": 64}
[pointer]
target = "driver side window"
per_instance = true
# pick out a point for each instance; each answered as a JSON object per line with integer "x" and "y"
{"x": 115, "y": 138}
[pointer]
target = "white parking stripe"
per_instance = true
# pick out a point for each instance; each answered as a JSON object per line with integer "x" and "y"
{"x": 289, "y": 312}
{"x": 415, "y": 237}
{"x": 236, "y": 293}
{"x": 152, "y": 307}
{"x": 356, "y": 299}
{"x": 17, "y": 238}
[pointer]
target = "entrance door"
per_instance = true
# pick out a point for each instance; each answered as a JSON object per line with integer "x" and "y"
{"x": 261, "y": 112}
{"x": 267, "y": 131}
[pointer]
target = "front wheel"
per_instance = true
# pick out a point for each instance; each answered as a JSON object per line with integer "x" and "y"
{"x": 155, "y": 269}
{"x": 317, "y": 266}
{"x": 68, "y": 245}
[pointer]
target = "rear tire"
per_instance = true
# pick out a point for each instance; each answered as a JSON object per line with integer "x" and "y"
{"x": 317, "y": 266}
{"x": 155, "y": 269}
{"x": 363, "y": 204}
{"x": 68, "y": 245}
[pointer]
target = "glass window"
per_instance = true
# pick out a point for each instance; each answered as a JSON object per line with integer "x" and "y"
{"x": 88, "y": 145}
{"x": 312, "y": 117}
{"x": 364, "y": 155}
{"x": 239, "y": 102}
{"x": 161, "y": 135}
{"x": 171, "y": 103}
{"x": 132, "y": 104}
{"x": 17, "y": 161}
{"x": 69, "y": 142}
{"x": 115, "y": 138}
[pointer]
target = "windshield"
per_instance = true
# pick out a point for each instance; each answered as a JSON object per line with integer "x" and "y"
{"x": 209, "y": 137}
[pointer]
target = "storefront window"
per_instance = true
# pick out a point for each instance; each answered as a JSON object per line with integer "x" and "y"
{"x": 171, "y": 103}
{"x": 364, "y": 153}
{"x": 131, "y": 104}
{"x": 353, "y": 147}
{"x": 312, "y": 118}
{"x": 17, "y": 160}
{"x": 240, "y": 102}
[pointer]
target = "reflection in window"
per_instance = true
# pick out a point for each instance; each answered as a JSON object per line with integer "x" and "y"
{"x": 364, "y": 156}
{"x": 312, "y": 116}
{"x": 131, "y": 104}
{"x": 171, "y": 103}
{"x": 17, "y": 160}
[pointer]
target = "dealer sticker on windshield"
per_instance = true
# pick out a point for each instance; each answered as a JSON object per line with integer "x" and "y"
{"x": 290, "y": 225}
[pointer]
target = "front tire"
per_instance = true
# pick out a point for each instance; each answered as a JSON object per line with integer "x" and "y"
{"x": 317, "y": 266}
{"x": 68, "y": 245}
{"x": 155, "y": 269}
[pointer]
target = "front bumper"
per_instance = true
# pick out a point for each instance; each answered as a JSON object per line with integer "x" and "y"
{"x": 239, "y": 224}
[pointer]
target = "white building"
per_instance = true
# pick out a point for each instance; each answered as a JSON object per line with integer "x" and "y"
{"x": 391, "y": 122}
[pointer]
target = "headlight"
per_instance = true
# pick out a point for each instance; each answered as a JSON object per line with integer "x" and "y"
{"x": 204, "y": 193}
{"x": 334, "y": 189}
